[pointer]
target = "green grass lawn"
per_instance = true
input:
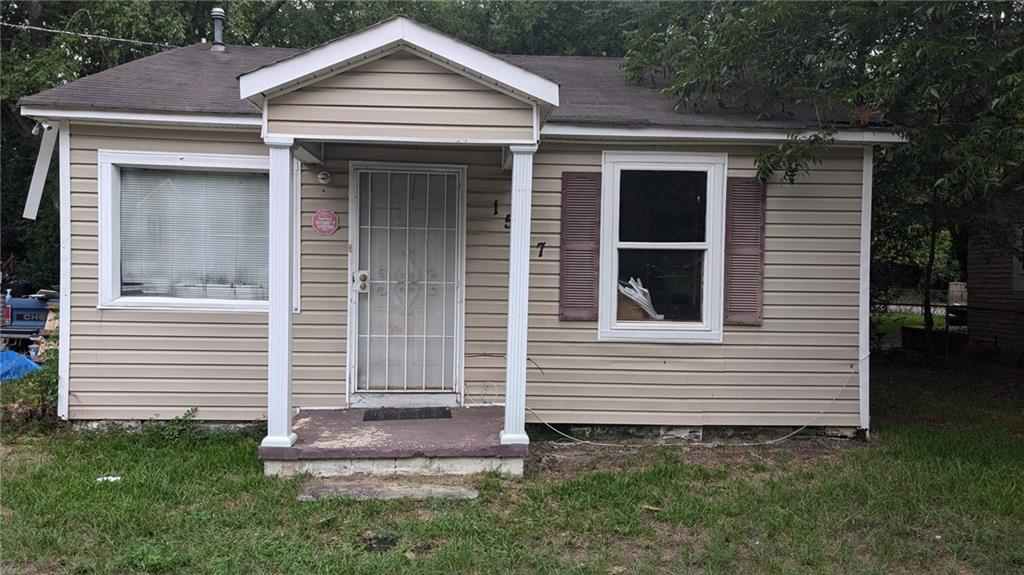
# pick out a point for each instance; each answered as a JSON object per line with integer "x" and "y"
{"x": 939, "y": 489}
{"x": 887, "y": 323}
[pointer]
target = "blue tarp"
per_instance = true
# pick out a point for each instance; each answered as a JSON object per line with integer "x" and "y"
{"x": 13, "y": 365}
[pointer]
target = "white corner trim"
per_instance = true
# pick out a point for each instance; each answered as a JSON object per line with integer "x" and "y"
{"x": 109, "y": 164}
{"x": 864, "y": 323}
{"x": 588, "y": 132}
{"x": 387, "y": 35}
{"x": 170, "y": 119}
{"x": 39, "y": 173}
{"x": 64, "y": 320}
{"x": 711, "y": 329}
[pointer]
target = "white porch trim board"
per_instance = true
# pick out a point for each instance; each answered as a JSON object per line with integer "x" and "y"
{"x": 42, "y": 168}
{"x": 863, "y": 368}
{"x": 518, "y": 296}
{"x": 279, "y": 316}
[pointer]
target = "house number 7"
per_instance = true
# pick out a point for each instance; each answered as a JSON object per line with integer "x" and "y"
{"x": 541, "y": 246}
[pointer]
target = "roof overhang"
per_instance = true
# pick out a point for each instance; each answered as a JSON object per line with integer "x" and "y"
{"x": 395, "y": 33}
{"x": 559, "y": 131}
{"x": 218, "y": 121}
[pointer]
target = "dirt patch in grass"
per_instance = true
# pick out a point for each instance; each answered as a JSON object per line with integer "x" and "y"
{"x": 563, "y": 459}
{"x": 22, "y": 454}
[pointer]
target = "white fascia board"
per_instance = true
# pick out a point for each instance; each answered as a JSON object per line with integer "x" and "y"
{"x": 589, "y": 132}
{"x": 149, "y": 118}
{"x": 385, "y": 36}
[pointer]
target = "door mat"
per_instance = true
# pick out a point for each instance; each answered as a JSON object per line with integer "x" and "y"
{"x": 395, "y": 413}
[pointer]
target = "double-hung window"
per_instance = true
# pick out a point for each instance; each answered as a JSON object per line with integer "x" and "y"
{"x": 183, "y": 231}
{"x": 662, "y": 247}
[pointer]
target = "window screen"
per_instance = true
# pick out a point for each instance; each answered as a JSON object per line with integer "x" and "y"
{"x": 190, "y": 234}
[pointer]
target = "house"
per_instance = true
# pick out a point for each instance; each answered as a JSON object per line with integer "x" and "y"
{"x": 399, "y": 219}
{"x": 996, "y": 280}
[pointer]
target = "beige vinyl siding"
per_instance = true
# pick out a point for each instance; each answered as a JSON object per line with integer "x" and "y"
{"x": 142, "y": 364}
{"x": 401, "y": 96}
{"x": 781, "y": 373}
{"x": 131, "y": 364}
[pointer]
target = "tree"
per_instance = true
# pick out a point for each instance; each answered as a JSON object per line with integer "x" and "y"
{"x": 32, "y": 61}
{"x": 949, "y": 77}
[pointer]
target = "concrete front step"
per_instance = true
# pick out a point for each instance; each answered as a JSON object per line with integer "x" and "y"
{"x": 405, "y": 466}
{"x": 333, "y": 443}
{"x": 416, "y": 489}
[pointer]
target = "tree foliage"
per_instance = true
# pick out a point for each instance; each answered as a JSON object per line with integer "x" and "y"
{"x": 948, "y": 76}
{"x": 32, "y": 61}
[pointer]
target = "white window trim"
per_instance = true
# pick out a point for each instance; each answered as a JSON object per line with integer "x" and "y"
{"x": 707, "y": 331}
{"x": 110, "y": 162}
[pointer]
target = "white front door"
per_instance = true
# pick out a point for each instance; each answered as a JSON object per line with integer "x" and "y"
{"x": 407, "y": 286}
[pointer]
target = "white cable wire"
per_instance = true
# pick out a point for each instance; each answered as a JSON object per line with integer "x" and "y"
{"x": 576, "y": 439}
{"x": 717, "y": 444}
{"x": 813, "y": 419}
{"x": 89, "y": 36}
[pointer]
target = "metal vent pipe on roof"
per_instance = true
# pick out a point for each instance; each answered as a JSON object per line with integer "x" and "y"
{"x": 218, "y": 29}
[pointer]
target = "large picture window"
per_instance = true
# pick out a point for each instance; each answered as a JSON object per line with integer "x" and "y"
{"x": 183, "y": 232}
{"x": 662, "y": 234}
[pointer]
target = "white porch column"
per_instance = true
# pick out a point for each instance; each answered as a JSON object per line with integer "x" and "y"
{"x": 279, "y": 314}
{"x": 518, "y": 295}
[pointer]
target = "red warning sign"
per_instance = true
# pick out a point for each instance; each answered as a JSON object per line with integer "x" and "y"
{"x": 325, "y": 222}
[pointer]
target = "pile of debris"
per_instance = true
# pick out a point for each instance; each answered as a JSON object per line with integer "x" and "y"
{"x": 28, "y": 326}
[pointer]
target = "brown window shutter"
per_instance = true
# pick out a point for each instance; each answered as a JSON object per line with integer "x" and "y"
{"x": 744, "y": 251}
{"x": 580, "y": 246}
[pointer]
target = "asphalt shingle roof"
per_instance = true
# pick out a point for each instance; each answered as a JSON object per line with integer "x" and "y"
{"x": 193, "y": 79}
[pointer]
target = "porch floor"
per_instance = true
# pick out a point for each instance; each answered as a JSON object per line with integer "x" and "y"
{"x": 341, "y": 434}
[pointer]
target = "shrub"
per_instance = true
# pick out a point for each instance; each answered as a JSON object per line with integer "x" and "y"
{"x": 32, "y": 399}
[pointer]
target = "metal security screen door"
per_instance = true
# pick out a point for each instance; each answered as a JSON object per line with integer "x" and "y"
{"x": 407, "y": 286}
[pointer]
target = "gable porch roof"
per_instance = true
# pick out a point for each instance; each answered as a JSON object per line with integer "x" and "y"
{"x": 384, "y": 38}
